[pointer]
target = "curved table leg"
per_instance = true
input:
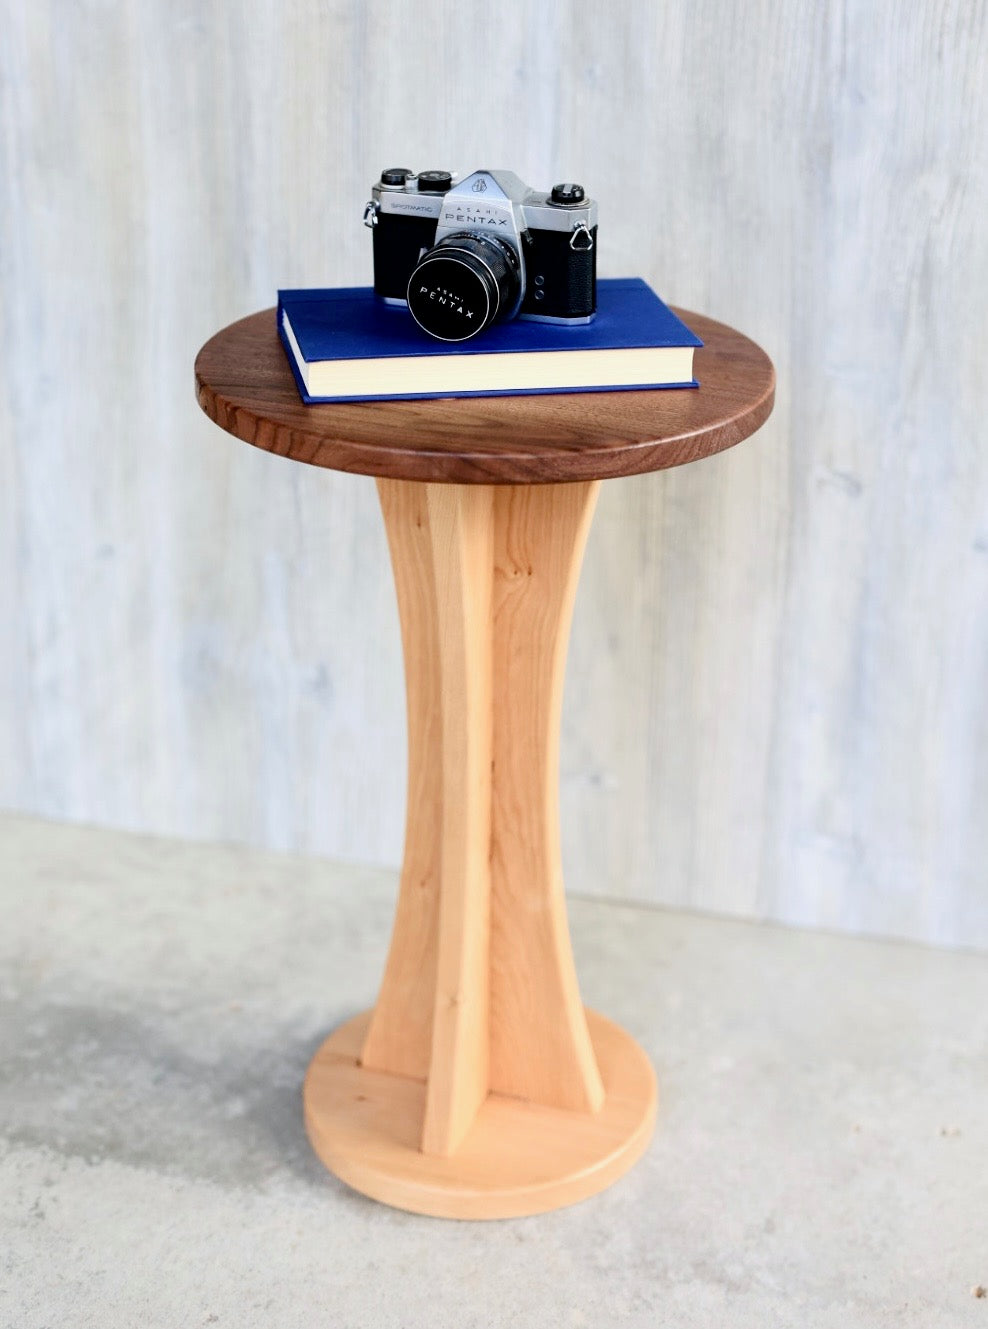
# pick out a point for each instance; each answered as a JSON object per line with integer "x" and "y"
{"x": 478, "y": 1086}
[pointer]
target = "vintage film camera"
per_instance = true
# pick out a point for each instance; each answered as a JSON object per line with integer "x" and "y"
{"x": 462, "y": 253}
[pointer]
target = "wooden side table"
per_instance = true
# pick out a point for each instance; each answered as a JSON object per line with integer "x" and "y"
{"x": 479, "y": 1086}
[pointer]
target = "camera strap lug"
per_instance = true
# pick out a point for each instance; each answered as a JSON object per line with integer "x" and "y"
{"x": 581, "y": 240}
{"x": 370, "y": 213}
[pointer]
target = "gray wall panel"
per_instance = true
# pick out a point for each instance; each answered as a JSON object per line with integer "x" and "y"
{"x": 776, "y": 698}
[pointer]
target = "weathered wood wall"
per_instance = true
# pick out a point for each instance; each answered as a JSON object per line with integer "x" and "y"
{"x": 777, "y": 686}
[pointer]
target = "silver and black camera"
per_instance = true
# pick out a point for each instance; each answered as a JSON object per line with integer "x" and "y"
{"x": 464, "y": 253}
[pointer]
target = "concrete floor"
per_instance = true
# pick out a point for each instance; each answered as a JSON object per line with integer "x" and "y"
{"x": 821, "y": 1157}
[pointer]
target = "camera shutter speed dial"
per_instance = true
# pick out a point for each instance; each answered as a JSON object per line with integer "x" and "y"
{"x": 567, "y": 194}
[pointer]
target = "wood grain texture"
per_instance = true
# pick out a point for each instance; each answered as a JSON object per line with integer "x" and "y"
{"x": 518, "y": 1158}
{"x": 486, "y": 577}
{"x": 244, "y": 384}
{"x": 540, "y": 1047}
{"x": 399, "y": 1035}
{"x": 779, "y": 657}
{"x": 479, "y": 991}
{"x": 461, "y": 529}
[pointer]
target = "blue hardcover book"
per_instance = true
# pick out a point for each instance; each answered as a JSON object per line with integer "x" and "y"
{"x": 346, "y": 345}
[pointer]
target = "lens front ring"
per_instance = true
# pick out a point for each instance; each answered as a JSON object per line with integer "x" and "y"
{"x": 475, "y": 265}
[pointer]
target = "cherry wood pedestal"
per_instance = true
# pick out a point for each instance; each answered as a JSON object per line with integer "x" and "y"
{"x": 479, "y": 1086}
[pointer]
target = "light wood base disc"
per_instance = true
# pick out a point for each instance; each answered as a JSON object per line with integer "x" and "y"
{"x": 518, "y": 1158}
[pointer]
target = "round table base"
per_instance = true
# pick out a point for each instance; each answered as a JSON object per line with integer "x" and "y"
{"x": 518, "y": 1158}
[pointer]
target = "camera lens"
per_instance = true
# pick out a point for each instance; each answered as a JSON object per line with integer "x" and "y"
{"x": 461, "y": 284}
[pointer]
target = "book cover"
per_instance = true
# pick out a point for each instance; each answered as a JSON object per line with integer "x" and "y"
{"x": 345, "y": 345}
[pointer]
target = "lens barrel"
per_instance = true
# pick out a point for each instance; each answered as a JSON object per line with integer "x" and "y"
{"x": 459, "y": 287}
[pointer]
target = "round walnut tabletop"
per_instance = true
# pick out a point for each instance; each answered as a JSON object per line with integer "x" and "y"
{"x": 244, "y": 384}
